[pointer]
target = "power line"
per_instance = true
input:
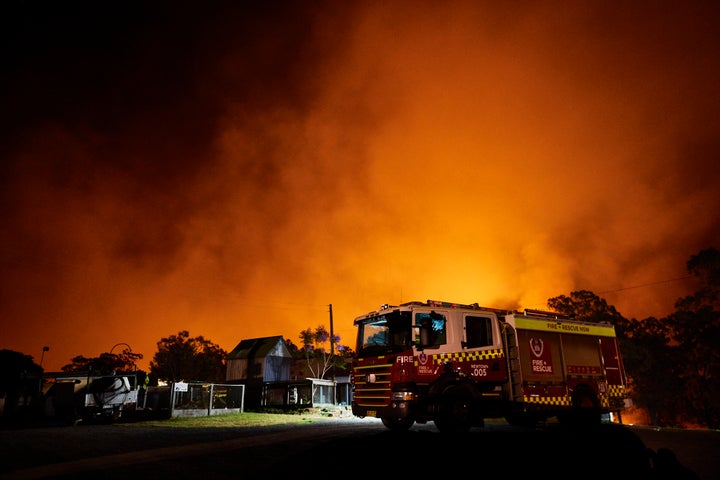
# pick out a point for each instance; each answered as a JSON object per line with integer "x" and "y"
{"x": 621, "y": 289}
{"x": 283, "y": 306}
{"x": 645, "y": 285}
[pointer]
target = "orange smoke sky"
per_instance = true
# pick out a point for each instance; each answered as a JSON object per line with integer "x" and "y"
{"x": 233, "y": 169}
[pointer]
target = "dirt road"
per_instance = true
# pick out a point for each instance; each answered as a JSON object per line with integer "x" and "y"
{"x": 335, "y": 447}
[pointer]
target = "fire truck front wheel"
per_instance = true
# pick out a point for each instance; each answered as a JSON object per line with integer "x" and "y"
{"x": 398, "y": 424}
{"x": 455, "y": 411}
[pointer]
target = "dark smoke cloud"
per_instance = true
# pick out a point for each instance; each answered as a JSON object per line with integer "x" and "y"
{"x": 233, "y": 168}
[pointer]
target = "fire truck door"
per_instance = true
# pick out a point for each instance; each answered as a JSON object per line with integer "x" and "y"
{"x": 611, "y": 360}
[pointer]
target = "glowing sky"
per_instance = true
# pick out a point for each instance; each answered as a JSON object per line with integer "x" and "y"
{"x": 231, "y": 170}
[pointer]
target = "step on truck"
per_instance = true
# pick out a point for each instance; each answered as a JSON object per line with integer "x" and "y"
{"x": 457, "y": 365}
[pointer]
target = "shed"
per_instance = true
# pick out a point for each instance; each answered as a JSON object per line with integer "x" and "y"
{"x": 265, "y": 359}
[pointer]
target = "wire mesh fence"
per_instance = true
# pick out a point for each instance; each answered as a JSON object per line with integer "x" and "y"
{"x": 199, "y": 399}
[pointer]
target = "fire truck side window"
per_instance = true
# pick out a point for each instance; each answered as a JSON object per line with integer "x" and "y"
{"x": 437, "y": 323}
{"x": 478, "y": 332}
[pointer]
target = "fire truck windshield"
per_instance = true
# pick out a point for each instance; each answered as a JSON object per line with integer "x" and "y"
{"x": 389, "y": 333}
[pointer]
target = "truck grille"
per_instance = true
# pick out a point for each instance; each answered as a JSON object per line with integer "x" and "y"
{"x": 372, "y": 385}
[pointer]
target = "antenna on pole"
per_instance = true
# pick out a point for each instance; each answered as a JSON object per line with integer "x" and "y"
{"x": 332, "y": 334}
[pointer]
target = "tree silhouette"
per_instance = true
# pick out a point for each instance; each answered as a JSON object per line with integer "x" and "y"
{"x": 106, "y": 363}
{"x": 695, "y": 327}
{"x": 319, "y": 361}
{"x": 181, "y": 358}
{"x": 292, "y": 348}
{"x": 651, "y": 365}
{"x": 20, "y": 377}
{"x": 586, "y": 306}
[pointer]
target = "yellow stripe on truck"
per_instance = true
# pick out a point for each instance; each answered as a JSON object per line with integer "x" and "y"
{"x": 559, "y": 326}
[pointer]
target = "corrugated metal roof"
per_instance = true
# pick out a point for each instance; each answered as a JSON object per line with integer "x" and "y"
{"x": 258, "y": 347}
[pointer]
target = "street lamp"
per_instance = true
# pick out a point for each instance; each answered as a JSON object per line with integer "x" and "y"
{"x": 128, "y": 347}
{"x": 42, "y": 357}
{"x": 121, "y": 343}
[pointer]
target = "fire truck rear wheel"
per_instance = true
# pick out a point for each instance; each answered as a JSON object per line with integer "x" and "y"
{"x": 398, "y": 424}
{"x": 585, "y": 411}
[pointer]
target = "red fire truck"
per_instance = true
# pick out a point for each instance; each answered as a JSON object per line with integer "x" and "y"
{"x": 457, "y": 365}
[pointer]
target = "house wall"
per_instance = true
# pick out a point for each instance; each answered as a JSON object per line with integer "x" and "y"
{"x": 236, "y": 369}
{"x": 276, "y": 369}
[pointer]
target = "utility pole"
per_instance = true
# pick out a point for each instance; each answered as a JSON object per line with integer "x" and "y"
{"x": 332, "y": 334}
{"x": 332, "y": 353}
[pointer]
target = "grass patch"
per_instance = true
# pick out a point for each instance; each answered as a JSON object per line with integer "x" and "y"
{"x": 245, "y": 419}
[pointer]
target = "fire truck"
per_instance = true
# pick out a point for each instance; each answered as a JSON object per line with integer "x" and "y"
{"x": 457, "y": 365}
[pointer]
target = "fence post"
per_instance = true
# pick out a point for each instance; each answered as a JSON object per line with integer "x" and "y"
{"x": 210, "y": 400}
{"x": 172, "y": 399}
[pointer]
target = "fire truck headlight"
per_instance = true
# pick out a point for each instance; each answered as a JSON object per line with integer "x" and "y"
{"x": 403, "y": 396}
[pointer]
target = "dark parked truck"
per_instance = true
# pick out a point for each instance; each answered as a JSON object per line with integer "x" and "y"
{"x": 457, "y": 365}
